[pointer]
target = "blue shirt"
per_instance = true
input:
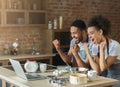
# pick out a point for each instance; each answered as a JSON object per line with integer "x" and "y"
{"x": 81, "y": 52}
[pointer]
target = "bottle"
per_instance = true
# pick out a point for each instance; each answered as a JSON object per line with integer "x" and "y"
{"x": 6, "y": 48}
{"x": 19, "y": 2}
{"x": 55, "y": 24}
{"x": 15, "y": 5}
{"x": 9, "y": 4}
{"x": 49, "y": 25}
{"x": 31, "y": 65}
{"x": 34, "y": 6}
{"x": 60, "y": 22}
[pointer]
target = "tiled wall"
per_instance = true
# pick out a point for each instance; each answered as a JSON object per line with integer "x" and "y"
{"x": 70, "y": 10}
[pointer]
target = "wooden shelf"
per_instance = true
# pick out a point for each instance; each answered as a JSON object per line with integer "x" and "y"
{"x": 23, "y": 12}
{"x": 59, "y": 30}
{"x": 36, "y": 18}
{"x": 0, "y": 17}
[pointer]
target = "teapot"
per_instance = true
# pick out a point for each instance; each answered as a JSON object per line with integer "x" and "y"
{"x": 31, "y": 65}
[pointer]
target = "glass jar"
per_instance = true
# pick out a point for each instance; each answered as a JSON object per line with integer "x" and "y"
{"x": 31, "y": 65}
{"x": 15, "y": 45}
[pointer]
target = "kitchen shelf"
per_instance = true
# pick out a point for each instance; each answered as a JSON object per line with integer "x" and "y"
{"x": 0, "y": 18}
{"x": 23, "y": 12}
{"x": 37, "y": 18}
{"x": 18, "y": 18}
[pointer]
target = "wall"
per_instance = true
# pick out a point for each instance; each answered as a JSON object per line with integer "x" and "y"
{"x": 70, "y": 10}
{"x": 85, "y": 9}
{"x": 25, "y": 36}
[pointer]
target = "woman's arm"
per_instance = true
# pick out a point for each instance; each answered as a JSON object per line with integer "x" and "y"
{"x": 105, "y": 63}
{"x": 94, "y": 61}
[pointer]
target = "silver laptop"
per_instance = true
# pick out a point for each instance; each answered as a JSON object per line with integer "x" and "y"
{"x": 20, "y": 72}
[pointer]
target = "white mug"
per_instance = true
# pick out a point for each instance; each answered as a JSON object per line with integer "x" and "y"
{"x": 78, "y": 78}
{"x": 43, "y": 67}
{"x": 92, "y": 74}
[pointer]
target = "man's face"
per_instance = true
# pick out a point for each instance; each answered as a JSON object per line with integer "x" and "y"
{"x": 75, "y": 33}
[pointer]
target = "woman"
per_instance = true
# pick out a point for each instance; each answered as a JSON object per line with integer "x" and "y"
{"x": 104, "y": 50}
{"x": 79, "y": 34}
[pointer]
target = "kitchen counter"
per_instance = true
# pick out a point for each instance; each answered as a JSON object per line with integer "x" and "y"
{"x": 4, "y": 59}
{"x": 9, "y": 76}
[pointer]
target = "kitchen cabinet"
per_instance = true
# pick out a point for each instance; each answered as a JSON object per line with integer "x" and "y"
{"x": 36, "y": 13}
{"x": 23, "y": 12}
{"x": 36, "y": 17}
{"x": 0, "y": 12}
{"x": 0, "y": 18}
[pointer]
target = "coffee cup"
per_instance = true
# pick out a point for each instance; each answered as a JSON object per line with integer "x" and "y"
{"x": 43, "y": 67}
{"x": 78, "y": 78}
{"x": 92, "y": 74}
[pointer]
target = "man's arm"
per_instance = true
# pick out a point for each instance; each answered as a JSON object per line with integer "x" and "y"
{"x": 79, "y": 61}
{"x": 65, "y": 58}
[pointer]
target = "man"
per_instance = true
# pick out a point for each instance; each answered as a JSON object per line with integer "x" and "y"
{"x": 76, "y": 54}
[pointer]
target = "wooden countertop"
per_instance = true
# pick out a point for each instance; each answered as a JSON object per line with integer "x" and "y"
{"x": 10, "y": 76}
{"x": 23, "y": 56}
{"x": 4, "y": 59}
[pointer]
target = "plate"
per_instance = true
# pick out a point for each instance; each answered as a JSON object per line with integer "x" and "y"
{"x": 83, "y": 70}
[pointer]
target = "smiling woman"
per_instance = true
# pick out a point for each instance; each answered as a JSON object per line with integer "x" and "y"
{"x": 106, "y": 62}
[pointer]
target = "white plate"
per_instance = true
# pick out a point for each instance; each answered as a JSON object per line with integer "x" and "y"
{"x": 82, "y": 69}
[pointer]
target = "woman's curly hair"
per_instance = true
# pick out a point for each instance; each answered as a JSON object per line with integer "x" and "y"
{"x": 100, "y": 23}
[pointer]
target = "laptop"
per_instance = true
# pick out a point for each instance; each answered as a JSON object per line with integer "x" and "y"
{"x": 20, "y": 72}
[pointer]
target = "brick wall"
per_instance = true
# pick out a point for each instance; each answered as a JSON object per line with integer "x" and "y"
{"x": 70, "y": 10}
{"x": 25, "y": 36}
{"x": 85, "y": 9}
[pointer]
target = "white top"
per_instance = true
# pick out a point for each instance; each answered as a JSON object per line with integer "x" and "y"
{"x": 114, "y": 48}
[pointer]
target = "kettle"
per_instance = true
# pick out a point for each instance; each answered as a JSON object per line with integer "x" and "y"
{"x": 31, "y": 65}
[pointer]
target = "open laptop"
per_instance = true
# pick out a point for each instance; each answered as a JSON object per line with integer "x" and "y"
{"x": 20, "y": 72}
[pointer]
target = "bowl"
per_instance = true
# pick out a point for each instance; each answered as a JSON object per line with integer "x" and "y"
{"x": 82, "y": 70}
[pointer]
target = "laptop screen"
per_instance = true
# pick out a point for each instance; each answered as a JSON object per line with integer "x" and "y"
{"x": 18, "y": 68}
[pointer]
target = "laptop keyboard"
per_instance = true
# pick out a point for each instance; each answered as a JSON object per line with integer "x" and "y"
{"x": 32, "y": 76}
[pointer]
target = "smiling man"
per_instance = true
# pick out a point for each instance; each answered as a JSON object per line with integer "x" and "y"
{"x": 76, "y": 54}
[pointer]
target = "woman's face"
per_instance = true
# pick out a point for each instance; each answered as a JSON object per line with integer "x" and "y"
{"x": 75, "y": 33}
{"x": 94, "y": 34}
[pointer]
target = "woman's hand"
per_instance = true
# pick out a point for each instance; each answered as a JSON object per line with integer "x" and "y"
{"x": 86, "y": 47}
{"x": 56, "y": 43}
{"x": 102, "y": 45}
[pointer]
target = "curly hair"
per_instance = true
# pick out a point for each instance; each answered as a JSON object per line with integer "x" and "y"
{"x": 100, "y": 23}
{"x": 79, "y": 24}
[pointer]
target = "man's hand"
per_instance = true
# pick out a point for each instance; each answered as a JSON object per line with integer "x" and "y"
{"x": 74, "y": 49}
{"x": 56, "y": 43}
